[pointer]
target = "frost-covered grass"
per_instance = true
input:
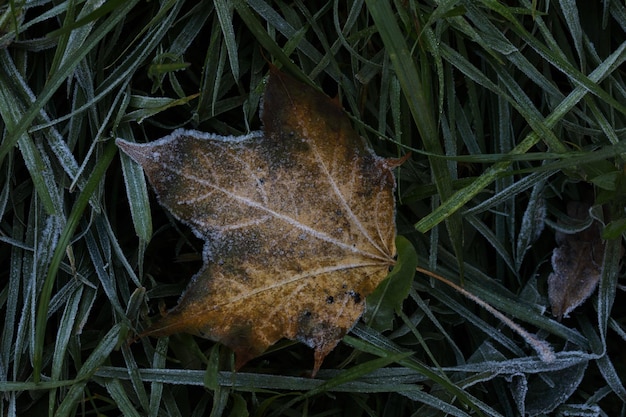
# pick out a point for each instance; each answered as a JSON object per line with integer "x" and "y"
{"x": 510, "y": 113}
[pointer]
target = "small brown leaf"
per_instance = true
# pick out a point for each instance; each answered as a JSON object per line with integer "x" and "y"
{"x": 577, "y": 264}
{"x": 298, "y": 222}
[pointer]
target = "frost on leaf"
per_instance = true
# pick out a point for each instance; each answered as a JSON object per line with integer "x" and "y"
{"x": 577, "y": 263}
{"x": 298, "y": 223}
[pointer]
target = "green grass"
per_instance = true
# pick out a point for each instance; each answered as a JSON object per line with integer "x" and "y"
{"x": 510, "y": 112}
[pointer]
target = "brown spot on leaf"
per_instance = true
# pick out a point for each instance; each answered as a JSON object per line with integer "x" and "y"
{"x": 289, "y": 215}
{"x": 355, "y": 296}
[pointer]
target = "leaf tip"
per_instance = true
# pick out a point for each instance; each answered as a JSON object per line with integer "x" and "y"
{"x": 129, "y": 148}
{"x": 319, "y": 358}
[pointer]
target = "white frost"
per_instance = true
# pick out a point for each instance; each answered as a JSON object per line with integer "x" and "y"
{"x": 196, "y": 134}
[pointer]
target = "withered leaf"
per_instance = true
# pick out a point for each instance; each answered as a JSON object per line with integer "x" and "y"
{"x": 577, "y": 263}
{"x": 298, "y": 222}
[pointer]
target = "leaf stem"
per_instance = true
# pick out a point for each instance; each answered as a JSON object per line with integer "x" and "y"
{"x": 543, "y": 348}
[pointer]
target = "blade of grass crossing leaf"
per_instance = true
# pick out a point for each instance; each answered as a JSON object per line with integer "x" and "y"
{"x": 292, "y": 44}
{"x": 480, "y": 29}
{"x": 64, "y": 293}
{"x": 461, "y": 197}
{"x": 523, "y": 64}
{"x": 158, "y": 26}
{"x": 64, "y": 240}
{"x": 87, "y": 303}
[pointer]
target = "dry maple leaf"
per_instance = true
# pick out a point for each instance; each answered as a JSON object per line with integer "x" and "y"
{"x": 298, "y": 222}
{"x": 577, "y": 263}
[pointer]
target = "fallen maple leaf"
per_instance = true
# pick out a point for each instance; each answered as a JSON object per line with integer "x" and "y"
{"x": 298, "y": 222}
{"x": 577, "y": 263}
